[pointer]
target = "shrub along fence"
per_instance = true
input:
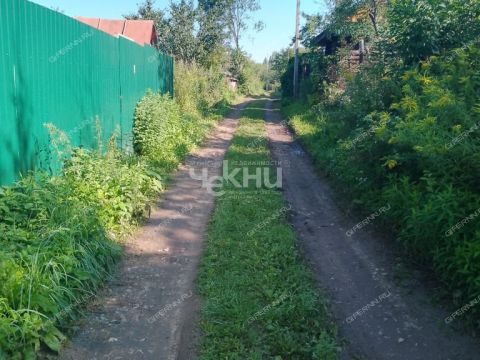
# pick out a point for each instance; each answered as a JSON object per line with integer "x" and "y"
{"x": 54, "y": 69}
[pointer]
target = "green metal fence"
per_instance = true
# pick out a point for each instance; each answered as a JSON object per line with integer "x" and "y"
{"x": 54, "y": 69}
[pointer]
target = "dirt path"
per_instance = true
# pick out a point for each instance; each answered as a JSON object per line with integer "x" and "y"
{"x": 377, "y": 318}
{"x": 148, "y": 311}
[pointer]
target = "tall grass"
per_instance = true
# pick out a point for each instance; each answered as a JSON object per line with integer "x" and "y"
{"x": 260, "y": 301}
{"x": 411, "y": 141}
{"x": 200, "y": 90}
{"x": 60, "y": 236}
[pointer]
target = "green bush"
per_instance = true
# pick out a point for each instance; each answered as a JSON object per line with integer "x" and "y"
{"x": 249, "y": 81}
{"x": 55, "y": 253}
{"x": 411, "y": 142}
{"x": 120, "y": 184}
{"x": 200, "y": 90}
{"x": 419, "y": 29}
{"x": 164, "y": 134}
{"x": 57, "y": 237}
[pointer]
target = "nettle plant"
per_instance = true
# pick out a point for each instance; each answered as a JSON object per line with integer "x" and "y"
{"x": 163, "y": 133}
{"x": 58, "y": 237}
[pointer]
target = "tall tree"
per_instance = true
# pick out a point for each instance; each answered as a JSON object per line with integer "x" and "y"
{"x": 176, "y": 33}
{"x": 212, "y": 35}
{"x": 357, "y": 17}
{"x": 233, "y": 17}
{"x": 182, "y": 41}
{"x": 203, "y": 34}
{"x": 238, "y": 17}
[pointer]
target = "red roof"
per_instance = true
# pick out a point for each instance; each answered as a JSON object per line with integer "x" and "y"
{"x": 141, "y": 31}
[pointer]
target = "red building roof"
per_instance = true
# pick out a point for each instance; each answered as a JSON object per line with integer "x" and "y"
{"x": 141, "y": 31}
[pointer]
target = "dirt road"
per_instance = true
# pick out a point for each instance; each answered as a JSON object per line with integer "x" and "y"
{"x": 148, "y": 311}
{"x": 376, "y": 318}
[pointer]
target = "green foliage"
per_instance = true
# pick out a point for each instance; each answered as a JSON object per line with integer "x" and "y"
{"x": 368, "y": 15}
{"x": 205, "y": 41}
{"x": 279, "y": 62}
{"x": 164, "y": 134}
{"x": 313, "y": 74}
{"x": 200, "y": 90}
{"x": 403, "y": 129}
{"x": 57, "y": 239}
{"x": 411, "y": 141}
{"x": 248, "y": 74}
{"x": 398, "y": 34}
{"x": 423, "y": 28}
{"x": 175, "y": 32}
{"x": 120, "y": 184}
{"x": 260, "y": 300}
{"x": 203, "y": 33}
{"x": 225, "y": 21}
{"x": 181, "y": 40}
{"x": 238, "y": 16}
{"x": 60, "y": 235}
{"x": 229, "y": 19}
{"x": 211, "y": 33}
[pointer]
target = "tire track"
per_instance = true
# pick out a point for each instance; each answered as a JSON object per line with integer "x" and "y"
{"x": 149, "y": 310}
{"x": 376, "y": 318}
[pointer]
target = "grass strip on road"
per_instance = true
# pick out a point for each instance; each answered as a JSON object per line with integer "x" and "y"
{"x": 260, "y": 301}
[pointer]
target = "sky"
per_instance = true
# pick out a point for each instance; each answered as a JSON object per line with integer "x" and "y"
{"x": 278, "y": 16}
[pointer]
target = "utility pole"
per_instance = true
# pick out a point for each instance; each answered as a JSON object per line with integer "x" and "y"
{"x": 297, "y": 39}
{"x": 268, "y": 75}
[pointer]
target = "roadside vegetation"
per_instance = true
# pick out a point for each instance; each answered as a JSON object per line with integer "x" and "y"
{"x": 61, "y": 230}
{"x": 402, "y": 128}
{"x": 61, "y": 233}
{"x": 260, "y": 301}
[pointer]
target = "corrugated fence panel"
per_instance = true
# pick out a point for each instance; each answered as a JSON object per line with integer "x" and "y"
{"x": 9, "y": 145}
{"x": 54, "y": 69}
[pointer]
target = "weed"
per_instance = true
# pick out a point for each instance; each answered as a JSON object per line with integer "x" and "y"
{"x": 421, "y": 158}
{"x": 260, "y": 301}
